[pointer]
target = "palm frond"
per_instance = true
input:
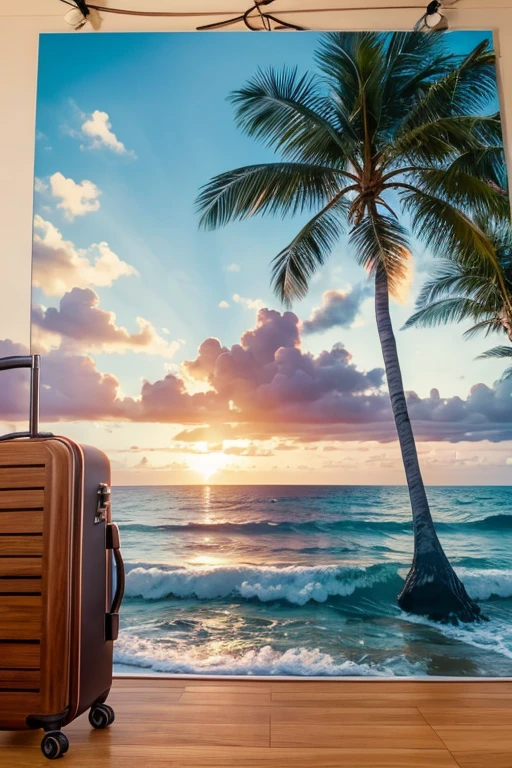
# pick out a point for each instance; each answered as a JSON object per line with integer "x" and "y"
{"x": 446, "y": 229}
{"x": 291, "y": 114}
{"x": 380, "y": 239}
{"x": 467, "y": 89}
{"x": 446, "y": 283}
{"x": 354, "y": 68}
{"x": 486, "y": 163}
{"x": 442, "y": 138}
{"x": 483, "y": 326}
{"x": 496, "y": 352}
{"x": 294, "y": 266}
{"x": 463, "y": 190}
{"x": 412, "y": 64}
{"x": 271, "y": 188}
{"x": 452, "y": 310}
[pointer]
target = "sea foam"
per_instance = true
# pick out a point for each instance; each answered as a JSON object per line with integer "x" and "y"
{"x": 137, "y": 652}
{"x": 483, "y": 584}
{"x": 293, "y": 584}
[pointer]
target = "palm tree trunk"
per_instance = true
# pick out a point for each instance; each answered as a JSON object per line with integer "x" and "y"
{"x": 432, "y": 587}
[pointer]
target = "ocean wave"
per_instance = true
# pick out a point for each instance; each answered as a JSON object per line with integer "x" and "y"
{"x": 493, "y": 523}
{"x": 293, "y": 584}
{"x": 272, "y": 527}
{"x": 137, "y": 652}
{"x": 483, "y": 584}
{"x": 296, "y": 585}
{"x": 494, "y": 637}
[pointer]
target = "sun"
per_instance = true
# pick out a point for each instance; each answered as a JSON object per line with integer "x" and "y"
{"x": 207, "y": 464}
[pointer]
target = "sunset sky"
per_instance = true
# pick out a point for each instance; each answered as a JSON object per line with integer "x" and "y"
{"x": 164, "y": 345}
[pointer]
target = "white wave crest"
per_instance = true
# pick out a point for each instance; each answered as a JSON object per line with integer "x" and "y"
{"x": 137, "y": 652}
{"x": 294, "y": 584}
{"x": 482, "y": 584}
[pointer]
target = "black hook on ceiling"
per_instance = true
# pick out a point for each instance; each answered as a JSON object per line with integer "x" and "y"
{"x": 247, "y": 19}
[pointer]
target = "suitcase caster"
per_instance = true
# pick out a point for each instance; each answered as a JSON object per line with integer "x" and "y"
{"x": 101, "y": 716}
{"x": 55, "y": 744}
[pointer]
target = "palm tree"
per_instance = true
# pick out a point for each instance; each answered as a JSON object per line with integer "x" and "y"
{"x": 462, "y": 291}
{"x": 390, "y": 123}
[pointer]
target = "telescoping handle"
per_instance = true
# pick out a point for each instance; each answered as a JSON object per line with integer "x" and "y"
{"x": 34, "y": 363}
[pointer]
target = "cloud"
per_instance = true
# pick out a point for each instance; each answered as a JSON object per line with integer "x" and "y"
{"x": 232, "y": 267}
{"x": 144, "y": 463}
{"x": 75, "y": 199}
{"x": 40, "y": 185}
{"x": 203, "y": 366}
{"x": 253, "y": 449}
{"x": 98, "y": 129}
{"x": 249, "y": 303}
{"x": 339, "y": 308}
{"x": 58, "y": 266}
{"x": 72, "y": 388}
{"x": 80, "y": 319}
{"x": 263, "y": 387}
{"x": 223, "y": 305}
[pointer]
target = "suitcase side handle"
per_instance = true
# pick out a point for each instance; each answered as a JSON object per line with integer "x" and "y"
{"x": 34, "y": 363}
{"x": 112, "y": 617}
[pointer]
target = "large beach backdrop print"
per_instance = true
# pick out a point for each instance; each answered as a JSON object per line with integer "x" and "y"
{"x": 227, "y": 227}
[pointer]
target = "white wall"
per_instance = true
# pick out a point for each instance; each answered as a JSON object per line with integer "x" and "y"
{"x": 21, "y": 21}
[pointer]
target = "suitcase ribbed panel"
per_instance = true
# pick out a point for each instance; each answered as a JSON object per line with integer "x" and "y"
{"x": 54, "y": 659}
{"x": 21, "y": 550}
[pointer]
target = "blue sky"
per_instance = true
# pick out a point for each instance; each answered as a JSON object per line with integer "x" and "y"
{"x": 166, "y": 95}
{"x": 166, "y": 99}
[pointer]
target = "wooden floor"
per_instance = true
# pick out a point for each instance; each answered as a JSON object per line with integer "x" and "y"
{"x": 198, "y": 724}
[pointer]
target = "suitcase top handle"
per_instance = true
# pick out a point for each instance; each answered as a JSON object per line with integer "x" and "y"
{"x": 34, "y": 363}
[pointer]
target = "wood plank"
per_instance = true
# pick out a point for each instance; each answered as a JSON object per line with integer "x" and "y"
{"x": 99, "y": 752}
{"x": 191, "y": 715}
{"x": 172, "y": 734}
{"x": 21, "y": 545}
{"x": 226, "y": 698}
{"x": 24, "y": 655}
{"x": 19, "y": 585}
{"x": 22, "y": 477}
{"x": 366, "y": 736}
{"x": 487, "y": 759}
{"x": 471, "y": 738}
{"x": 213, "y": 688}
{"x": 157, "y": 700}
{"x": 441, "y": 716}
{"x": 21, "y": 566}
{"x": 162, "y": 683}
{"x": 334, "y": 699}
{"x": 21, "y": 521}
{"x": 21, "y": 499}
{"x": 376, "y": 686}
{"x": 335, "y": 716}
{"x": 20, "y": 618}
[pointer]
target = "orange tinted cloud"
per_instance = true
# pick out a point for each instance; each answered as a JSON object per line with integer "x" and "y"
{"x": 265, "y": 386}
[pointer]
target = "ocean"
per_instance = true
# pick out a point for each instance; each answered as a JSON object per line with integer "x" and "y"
{"x": 302, "y": 580}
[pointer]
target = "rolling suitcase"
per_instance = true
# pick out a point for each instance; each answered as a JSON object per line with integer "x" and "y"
{"x": 58, "y": 618}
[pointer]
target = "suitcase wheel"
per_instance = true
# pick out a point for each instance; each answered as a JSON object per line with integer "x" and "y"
{"x": 55, "y": 744}
{"x": 101, "y": 716}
